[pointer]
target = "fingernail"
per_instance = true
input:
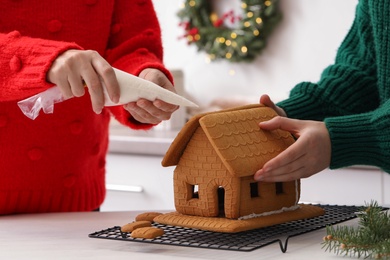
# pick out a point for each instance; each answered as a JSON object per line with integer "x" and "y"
{"x": 258, "y": 176}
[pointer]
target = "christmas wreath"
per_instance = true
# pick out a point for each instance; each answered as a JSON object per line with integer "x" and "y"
{"x": 243, "y": 42}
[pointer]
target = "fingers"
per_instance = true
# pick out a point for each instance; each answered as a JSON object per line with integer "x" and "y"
{"x": 66, "y": 87}
{"x": 139, "y": 113}
{"x": 287, "y": 166}
{"x": 287, "y": 124}
{"x": 57, "y": 76}
{"x": 74, "y": 68}
{"x": 281, "y": 176}
{"x": 150, "y": 112}
{"x": 108, "y": 77}
{"x": 95, "y": 88}
{"x": 266, "y": 100}
{"x": 75, "y": 85}
{"x": 153, "y": 112}
{"x": 100, "y": 76}
{"x": 310, "y": 154}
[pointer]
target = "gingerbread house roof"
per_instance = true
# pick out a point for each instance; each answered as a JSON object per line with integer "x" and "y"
{"x": 236, "y": 137}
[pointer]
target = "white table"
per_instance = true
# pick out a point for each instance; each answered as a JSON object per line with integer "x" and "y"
{"x": 65, "y": 236}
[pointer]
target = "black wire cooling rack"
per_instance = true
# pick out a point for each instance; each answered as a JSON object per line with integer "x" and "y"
{"x": 242, "y": 241}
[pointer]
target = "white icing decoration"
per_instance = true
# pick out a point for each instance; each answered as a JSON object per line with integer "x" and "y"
{"x": 296, "y": 192}
{"x": 253, "y": 215}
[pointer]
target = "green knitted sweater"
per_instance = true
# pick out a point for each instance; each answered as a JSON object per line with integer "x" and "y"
{"x": 353, "y": 95}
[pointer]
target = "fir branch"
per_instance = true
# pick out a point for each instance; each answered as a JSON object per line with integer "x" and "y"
{"x": 370, "y": 239}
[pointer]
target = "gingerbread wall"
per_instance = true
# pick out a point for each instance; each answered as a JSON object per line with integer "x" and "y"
{"x": 201, "y": 167}
{"x": 201, "y": 173}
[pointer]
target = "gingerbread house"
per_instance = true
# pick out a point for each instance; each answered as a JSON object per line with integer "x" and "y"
{"x": 216, "y": 155}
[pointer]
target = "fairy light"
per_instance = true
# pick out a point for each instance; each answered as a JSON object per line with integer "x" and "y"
{"x": 259, "y": 20}
{"x": 220, "y": 40}
{"x": 213, "y": 17}
{"x": 249, "y": 14}
{"x": 247, "y": 24}
{"x": 228, "y": 55}
{"x": 244, "y": 49}
{"x": 267, "y": 3}
{"x": 192, "y": 3}
{"x": 233, "y": 35}
{"x": 256, "y": 32}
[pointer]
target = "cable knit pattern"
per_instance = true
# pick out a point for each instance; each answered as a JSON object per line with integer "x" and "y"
{"x": 352, "y": 96}
{"x": 57, "y": 161}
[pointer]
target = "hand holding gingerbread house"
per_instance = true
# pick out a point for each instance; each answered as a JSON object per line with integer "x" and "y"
{"x": 216, "y": 155}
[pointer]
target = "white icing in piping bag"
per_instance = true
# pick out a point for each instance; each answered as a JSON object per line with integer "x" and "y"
{"x": 133, "y": 88}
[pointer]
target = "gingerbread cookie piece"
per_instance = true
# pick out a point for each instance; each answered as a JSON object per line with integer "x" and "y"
{"x": 220, "y": 224}
{"x": 147, "y": 232}
{"x": 147, "y": 216}
{"x": 130, "y": 227}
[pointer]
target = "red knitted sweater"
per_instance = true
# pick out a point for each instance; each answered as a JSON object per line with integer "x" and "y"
{"x": 57, "y": 161}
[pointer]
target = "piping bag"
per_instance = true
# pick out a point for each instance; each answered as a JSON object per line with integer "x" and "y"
{"x": 131, "y": 88}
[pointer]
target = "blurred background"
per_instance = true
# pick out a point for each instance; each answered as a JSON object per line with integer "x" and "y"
{"x": 299, "y": 48}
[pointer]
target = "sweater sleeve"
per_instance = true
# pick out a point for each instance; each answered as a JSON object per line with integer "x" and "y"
{"x": 361, "y": 139}
{"x": 135, "y": 45}
{"x": 348, "y": 86}
{"x": 24, "y": 62}
{"x": 347, "y": 99}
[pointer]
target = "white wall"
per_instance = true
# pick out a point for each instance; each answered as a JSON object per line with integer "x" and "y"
{"x": 302, "y": 45}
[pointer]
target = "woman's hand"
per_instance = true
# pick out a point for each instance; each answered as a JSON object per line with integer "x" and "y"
{"x": 310, "y": 154}
{"x": 75, "y": 69}
{"x": 152, "y": 112}
{"x": 266, "y": 100}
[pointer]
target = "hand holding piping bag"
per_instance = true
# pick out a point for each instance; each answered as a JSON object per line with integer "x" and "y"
{"x": 146, "y": 101}
{"x": 149, "y": 98}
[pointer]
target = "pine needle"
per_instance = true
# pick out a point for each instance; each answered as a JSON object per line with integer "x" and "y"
{"x": 370, "y": 239}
